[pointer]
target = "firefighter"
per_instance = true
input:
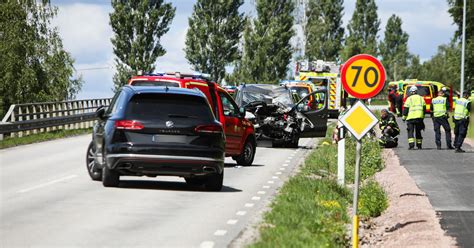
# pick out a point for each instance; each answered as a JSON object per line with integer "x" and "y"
{"x": 413, "y": 114}
{"x": 440, "y": 106}
{"x": 389, "y": 128}
{"x": 461, "y": 120}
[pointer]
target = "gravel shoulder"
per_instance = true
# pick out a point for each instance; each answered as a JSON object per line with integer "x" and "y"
{"x": 410, "y": 220}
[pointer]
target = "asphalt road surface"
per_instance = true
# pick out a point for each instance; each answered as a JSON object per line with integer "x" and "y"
{"x": 447, "y": 178}
{"x": 47, "y": 199}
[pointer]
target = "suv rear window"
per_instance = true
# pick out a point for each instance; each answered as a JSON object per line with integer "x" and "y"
{"x": 163, "y": 107}
{"x": 154, "y": 83}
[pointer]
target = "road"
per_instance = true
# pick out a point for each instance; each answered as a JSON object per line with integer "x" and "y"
{"x": 448, "y": 180}
{"x": 47, "y": 199}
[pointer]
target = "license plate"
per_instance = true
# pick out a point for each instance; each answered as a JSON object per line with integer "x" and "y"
{"x": 169, "y": 138}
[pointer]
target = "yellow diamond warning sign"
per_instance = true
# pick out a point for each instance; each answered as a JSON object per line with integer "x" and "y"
{"x": 359, "y": 120}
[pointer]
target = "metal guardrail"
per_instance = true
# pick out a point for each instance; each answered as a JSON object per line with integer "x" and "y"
{"x": 25, "y": 119}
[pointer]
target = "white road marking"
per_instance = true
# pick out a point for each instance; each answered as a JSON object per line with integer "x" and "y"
{"x": 206, "y": 244}
{"x": 290, "y": 157}
{"x": 278, "y": 173}
{"x": 261, "y": 192}
{"x": 241, "y": 213}
{"x": 282, "y": 169}
{"x": 249, "y": 205}
{"x": 232, "y": 222}
{"x": 47, "y": 184}
{"x": 271, "y": 182}
{"x": 287, "y": 161}
{"x": 285, "y": 165}
{"x": 275, "y": 177}
{"x": 256, "y": 198}
{"x": 266, "y": 187}
{"x": 220, "y": 232}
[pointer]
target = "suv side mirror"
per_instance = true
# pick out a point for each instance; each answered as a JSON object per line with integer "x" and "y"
{"x": 100, "y": 113}
{"x": 242, "y": 112}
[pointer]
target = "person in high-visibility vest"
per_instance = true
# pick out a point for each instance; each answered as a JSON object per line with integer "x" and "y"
{"x": 414, "y": 113}
{"x": 440, "y": 106}
{"x": 461, "y": 120}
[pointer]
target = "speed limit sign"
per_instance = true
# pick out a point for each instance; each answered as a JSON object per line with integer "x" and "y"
{"x": 363, "y": 76}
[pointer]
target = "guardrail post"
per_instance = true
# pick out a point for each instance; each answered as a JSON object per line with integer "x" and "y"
{"x": 20, "y": 118}
{"x": 41, "y": 115}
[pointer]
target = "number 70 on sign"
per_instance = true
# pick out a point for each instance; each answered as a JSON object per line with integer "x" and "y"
{"x": 363, "y": 76}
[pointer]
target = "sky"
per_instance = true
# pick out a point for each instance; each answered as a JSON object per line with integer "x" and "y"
{"x": 85, "y": 30}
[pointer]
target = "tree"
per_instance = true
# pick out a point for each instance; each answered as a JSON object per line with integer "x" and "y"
{"x": 363, "y": 29}
{"x": 394, "y": 49}
{"x": 324, "y": 32}
{"x": 34, "y": 67}
{"x": 138, "y": 26}
{"x": 444, "y": 66}
{"x": 214, "y": 32}
{"x": 267, "y": 50}
{"x": 456, "y": 11}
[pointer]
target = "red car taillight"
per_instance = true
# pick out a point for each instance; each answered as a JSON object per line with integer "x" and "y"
{"x": 209, "y": 129}
{"x": 129, "y": 125}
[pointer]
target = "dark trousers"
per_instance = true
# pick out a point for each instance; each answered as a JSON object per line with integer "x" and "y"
{"x": 460, "y": 131}
{"x": 437, "y": 123}
{"x": 414, "y": 126}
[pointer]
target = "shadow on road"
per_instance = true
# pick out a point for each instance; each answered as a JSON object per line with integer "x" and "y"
{"x": 171, "y": 186}
{"x": 402, "y": 225}
{"x": 233, "y": 165}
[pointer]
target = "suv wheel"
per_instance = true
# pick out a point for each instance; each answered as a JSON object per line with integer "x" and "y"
{"x": 94, "y": 172}
{"x": 214, "y": 182}
{"x": 248, "y": 154}
{"x": 110, "y": 178}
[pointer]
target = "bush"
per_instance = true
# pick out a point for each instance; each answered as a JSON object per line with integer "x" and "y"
{"x": 373, "y": 200}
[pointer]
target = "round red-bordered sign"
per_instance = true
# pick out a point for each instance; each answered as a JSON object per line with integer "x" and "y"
{"x": 363, "y": 76}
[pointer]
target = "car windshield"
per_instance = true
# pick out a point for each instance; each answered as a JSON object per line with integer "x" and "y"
{"x": 154, "y": 83}
{"x": 264, "y": 92}
{"x": 164, "y": 107}
{"x": 301, "y": 91}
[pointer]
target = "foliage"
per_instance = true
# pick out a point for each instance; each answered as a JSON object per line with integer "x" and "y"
{"x": 215, "y": 29}
{"x": 267, "y": 50}
{"x": 445, "y": 65}
{"x": 307, "y": 213}
{"x": 34, "y": 66}
{"x": 40, "y": 137}
{"x": 363, "y": 29}
{"x": 324, "y": 32}
{"x": 138, "y": 27}
{"x": 394, "y": 49}
{"x": 311, "y": 209}
{"x": 372, "y": 200}
{"x": 456, "y": 11}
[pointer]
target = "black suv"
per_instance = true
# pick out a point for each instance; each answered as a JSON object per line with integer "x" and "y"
{"x": 151, "y": 131}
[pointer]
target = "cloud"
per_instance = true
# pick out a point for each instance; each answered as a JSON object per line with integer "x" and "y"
{"x": 85, "y": 31}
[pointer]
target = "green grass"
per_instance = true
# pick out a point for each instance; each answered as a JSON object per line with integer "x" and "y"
{"x": 40, "y": 137}
{"x": 378, "y": 102}
{"x": 311, "y": 209}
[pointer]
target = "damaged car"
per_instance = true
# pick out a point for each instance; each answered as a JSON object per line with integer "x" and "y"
{"x": 282, "y": 115}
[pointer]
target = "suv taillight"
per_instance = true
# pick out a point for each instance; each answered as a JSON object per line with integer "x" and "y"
{"x": 209, "y": 129}
{"x": 129, "y": 125}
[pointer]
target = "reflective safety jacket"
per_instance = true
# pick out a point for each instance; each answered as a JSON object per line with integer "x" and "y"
{"x": 462, "y": 109}
{"x": 414, "y": 107}
{"x": 440, "y": 106}
{"x": 389, "y": 121}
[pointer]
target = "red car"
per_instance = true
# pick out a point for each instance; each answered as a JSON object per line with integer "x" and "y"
{"x": 239, "y": 132}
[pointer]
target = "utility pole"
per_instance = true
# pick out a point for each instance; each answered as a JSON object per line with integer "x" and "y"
{"x": 463, "y": 46}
